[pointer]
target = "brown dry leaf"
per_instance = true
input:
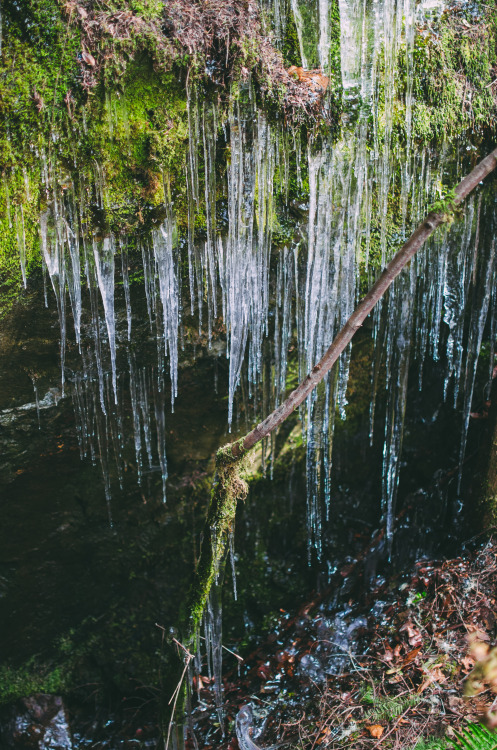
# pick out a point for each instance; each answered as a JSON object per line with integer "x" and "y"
{"x": 88, "y": 59}
{"x": 411, "y": 656}
{"x": 475, "y": 633}
{"x": 388, "y": 655}
{"x": 375, "y": 730}
{"x": 397, "y": 678}
{"x": 467, "y": 663}
{"x": 323, "y": 735}
{"x": 435, "y": 675}
{"x": 413, "y": 635}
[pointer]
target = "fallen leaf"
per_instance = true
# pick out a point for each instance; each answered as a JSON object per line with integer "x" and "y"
{"x": 413, "y": 635}
{"x": 323, "y": 735}
{"x": 411, "y": 656}
{"x": 375, "y": 730}
{"x": 397, "y": 678}
{"x": 467, "y": 663}
{"x": 88, "y": 59}
{"x": 435, "y": 675}
{"x": 475, "y": 634}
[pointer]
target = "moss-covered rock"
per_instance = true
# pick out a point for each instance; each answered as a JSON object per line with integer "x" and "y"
{"x": 455, "y": 60}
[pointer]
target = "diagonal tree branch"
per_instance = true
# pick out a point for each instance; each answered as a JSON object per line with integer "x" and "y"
{"x": 392, "y": 270}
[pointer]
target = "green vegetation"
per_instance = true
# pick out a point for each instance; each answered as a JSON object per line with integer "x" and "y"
{"x": 29, "y": 679}
{"x": 432, "y": 744}
{"x": 229, "y": 488}
{"x": 386, "y": 707}
{"x": 475, "y": 737}
{"x": 454, "y": 88}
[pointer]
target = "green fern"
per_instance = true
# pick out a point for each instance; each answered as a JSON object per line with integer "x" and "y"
{"x": 432, "y": 744}
{"x": 367, "y": 695}
{"x": 475, "y": 737}
{"x": 389, "y": 708}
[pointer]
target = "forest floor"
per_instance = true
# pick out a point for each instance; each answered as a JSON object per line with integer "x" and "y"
{"x": 389, "y": 672}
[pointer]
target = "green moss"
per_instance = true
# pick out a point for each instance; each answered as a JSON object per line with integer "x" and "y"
{"x": 147, "y": 9}
{"x": 106, "y": 656}
{"x": 19, "y": 198}
{"x": 38, "y": 70}
{"x": 29, "y": 679}
{"x": 229, "y": 488}
{"x": 121, "y": 138}
{"x": 453, "y": 73}
{"x": 129, "y": 134}
{"x": 290, "y": 44}
{"x": 139, "y": 131}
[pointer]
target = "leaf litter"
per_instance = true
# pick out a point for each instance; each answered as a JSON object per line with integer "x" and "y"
{"x": 413, "y": 661}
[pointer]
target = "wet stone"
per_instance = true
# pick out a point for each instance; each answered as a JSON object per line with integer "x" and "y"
{"x": 39, "y": 722}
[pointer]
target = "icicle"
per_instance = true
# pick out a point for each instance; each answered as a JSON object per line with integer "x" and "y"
{"x": 307, "y": 23}
{"x": 399, "y": 332}
{"x": 149, "y": 276}
{"x": 133, "y": 390}
{"x": 21, "y": 242}
{"x": 455, "y": 295}
{"x": 160, "y": 424}
{"x": 231, "y": 541}
{"x": 95, "y": 320}
{"x": 192, "y": 181}
{"x": 213, "y": 631}
{"x": 145, "y": 412}
{"x": 492, "y": 338}
{"x": 169, "y": 294}
{"x": 125, "y": 276}
{"x": 209, "y": 134}
{"x": 73, "y": 271}
{"x": 482, "y": 288}
{"x": 104, "y": 264}
{"x": 336, "y": 179}
{"x": 324, "y": 42}
{"x": 244, "y": 259}
{"x": 52, "y": 251}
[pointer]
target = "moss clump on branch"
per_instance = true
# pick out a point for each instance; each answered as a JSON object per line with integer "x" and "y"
{"x": 228, "y": 489}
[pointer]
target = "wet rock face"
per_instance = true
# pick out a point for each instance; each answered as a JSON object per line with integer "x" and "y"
{"x": 36, "y": 723}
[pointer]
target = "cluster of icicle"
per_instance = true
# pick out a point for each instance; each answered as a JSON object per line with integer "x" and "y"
{"x": 316, "y": 284}
{"x": 85, "y": 269}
